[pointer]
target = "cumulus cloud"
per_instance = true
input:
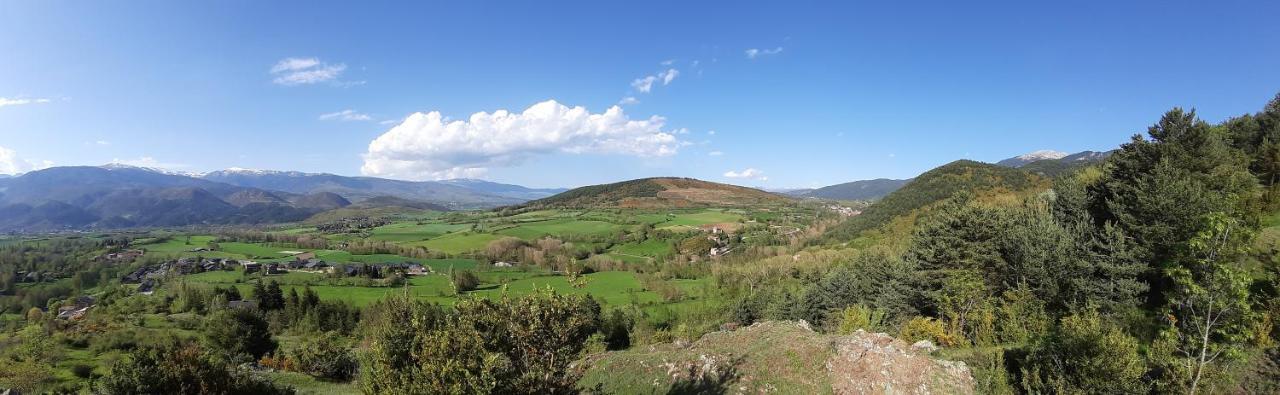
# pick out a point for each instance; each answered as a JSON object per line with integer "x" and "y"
{"x": 716, "y": 153}
{"x": 4, "y": 101}
{"x": 304, "y": 71}
{"x": 10, "y": 163}
{"x": 629, "y": 100}
{"x": 346, "y": 115}
{"x": 750, "y": 173}
{"x": 757, "y": 52}
{"x": 427, "y": 146}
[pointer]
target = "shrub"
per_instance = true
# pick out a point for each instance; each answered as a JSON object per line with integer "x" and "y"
{"x": 325, "y": 356}
{"x": 465, "y": 281}
{"x": 1085, "y": 355}
{"x": 181, "y": 368}
{"x": 858, "y": 317}
{"x": 239, "y": 331}
{"x": 925, "y": 328}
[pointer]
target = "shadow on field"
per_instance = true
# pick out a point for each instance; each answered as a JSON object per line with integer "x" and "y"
{"x": 717, "y": 381}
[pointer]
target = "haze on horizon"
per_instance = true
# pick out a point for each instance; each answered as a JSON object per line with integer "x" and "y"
{"x": 774, "y": 95}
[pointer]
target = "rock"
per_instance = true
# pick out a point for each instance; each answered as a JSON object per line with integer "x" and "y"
{"x": 876, "y": 363}
{"x": 924, "y": 346}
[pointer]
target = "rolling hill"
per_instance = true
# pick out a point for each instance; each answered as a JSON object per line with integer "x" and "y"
{"x": 657, "y": 193}
{"x": 933, "y": 186}
{"x": 454, "y": 194}
{"x": 857, "y": 190}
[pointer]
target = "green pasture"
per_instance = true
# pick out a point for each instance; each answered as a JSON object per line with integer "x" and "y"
{"x": 456, "y": 243}
{"x": 412, "y": 231}
{"x": 560, "y": 227}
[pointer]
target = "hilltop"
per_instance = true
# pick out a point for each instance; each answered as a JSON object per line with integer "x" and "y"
{"x": 769, "y": 356}
{"x": 934, "y": 186}
{"x": 659, "y": 192}
{"x": 856, "y": 190}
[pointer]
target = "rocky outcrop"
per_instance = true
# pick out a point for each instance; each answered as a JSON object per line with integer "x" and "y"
{"x": 778, "y": 357}
{"x": 876, "y": 363}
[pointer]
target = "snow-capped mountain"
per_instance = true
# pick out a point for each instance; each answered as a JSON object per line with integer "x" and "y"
{"x": 1029, "y": 157}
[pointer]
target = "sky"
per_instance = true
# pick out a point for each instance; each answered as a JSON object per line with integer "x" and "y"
{"x": 562, "y": 94}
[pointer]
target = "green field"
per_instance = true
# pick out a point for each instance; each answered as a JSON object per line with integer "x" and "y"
{"x": 411, "y": 231}
{"x": 611, "y": 288}
{"x": 537, "y": 230}
{"x": 456, "y": 243}
{"x": 701, "y": 218}
{"x": 647, "y": 248}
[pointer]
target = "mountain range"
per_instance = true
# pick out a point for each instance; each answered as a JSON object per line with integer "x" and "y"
{"x": 118, "y": 196}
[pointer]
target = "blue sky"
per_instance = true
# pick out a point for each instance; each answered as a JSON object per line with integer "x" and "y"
{"x": 835, "y": 91}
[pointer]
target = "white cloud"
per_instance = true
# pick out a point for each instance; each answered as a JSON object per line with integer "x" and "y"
{"x": 644, "y": 85}
{"x": 668, "y": 62}
{"x": 303, "y": 71}
{"x": 346, "y": 115}
{"x": 668, "y": 76}
{"x": 18, "y": 102}
{"x": 629, "y": 100}
{"x": 711, "y": 132}
{"x": 715, "y": 153}
{"x": 749, "y": 173}
{"x": 428, "y": 146}
{"x": 102, "y": 142}
{"x": 10, "y": 163}
{"x": 756, "y": 52}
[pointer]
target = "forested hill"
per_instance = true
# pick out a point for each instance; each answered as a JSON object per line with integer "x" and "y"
{"x": 936, "y": 185}
{"x": 857, "y": 190}
{"x": 659, "y": 193}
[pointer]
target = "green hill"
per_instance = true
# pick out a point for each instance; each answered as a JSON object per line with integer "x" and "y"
{"x": 857, "y": 190}
{"x": 933, "y": 186}
{"x": 658, "y": 193}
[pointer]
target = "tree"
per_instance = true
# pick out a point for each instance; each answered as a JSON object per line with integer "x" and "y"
{"x": 239, "y": 332}
{"x": 511, "y": 345}
{"x": 326, "y": 356}
{"x": 177, "y": 367}
{"x": 1083, "y": 354}
{"x": 1210, "y": 301}
{"x": 465, "y": 281}
{"x": 540, "y": 335}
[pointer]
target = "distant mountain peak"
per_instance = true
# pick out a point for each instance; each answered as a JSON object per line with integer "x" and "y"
{"x": 1033, "y": 156}
{"x": 123, "y": 166}
{"x": 1042, "y": 155}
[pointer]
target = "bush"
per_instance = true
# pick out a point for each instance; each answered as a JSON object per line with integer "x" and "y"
{"x": 465, "y": 281}
{"x": 181, "y": 368}
{"x": 325, "y": 356}
{"x": 925, "y": 328}
{"x": 1085, "y": 355}
{"x": 239, "y": 332}
{"x": 858, "y": 317}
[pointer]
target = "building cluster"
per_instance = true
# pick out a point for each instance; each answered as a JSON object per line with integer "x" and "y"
{"x": 120, "y": 257}
{"x": 845, "y": 211}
